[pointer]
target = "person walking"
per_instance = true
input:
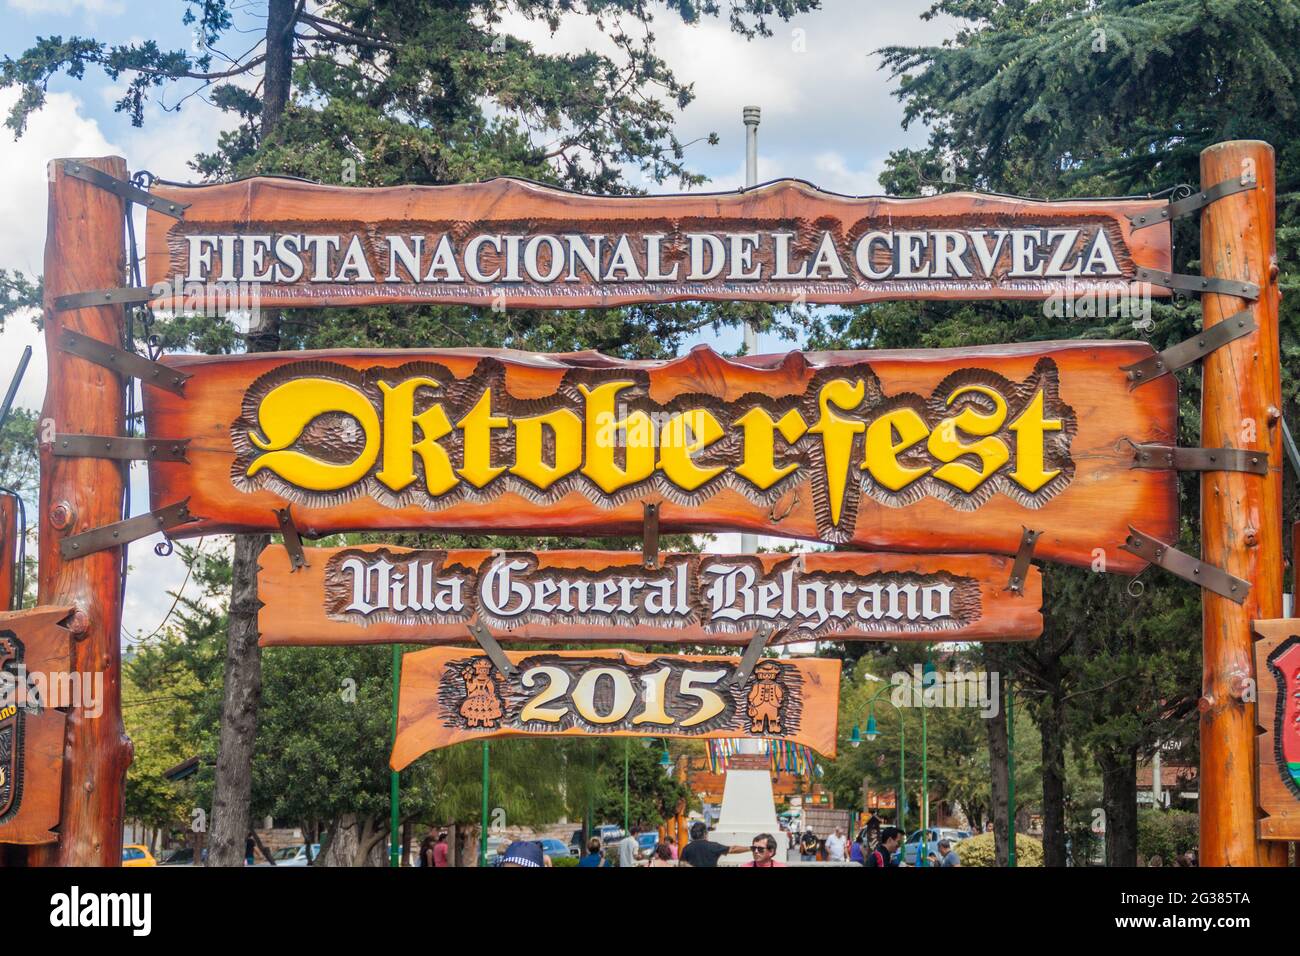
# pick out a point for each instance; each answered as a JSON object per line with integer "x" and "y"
{"x": 702, "y": 851}
{"x": 595, "y": 855}
{"x": 662, "y": 856}
{"x": 426, "y": 851}
{"x": 763, "y": 849}
{"x": 835, "y": 846}
{"x": 808, "y": 846}
{"x": 629, "y": 851}
{"x": 947, "y": 855}
{"x": 440, "y": 851}
{"x": 883, "y": 854}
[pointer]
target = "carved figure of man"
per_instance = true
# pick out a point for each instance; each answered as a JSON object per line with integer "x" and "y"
{"x": 765, "y": 696}
{"x": 482, "y": 706}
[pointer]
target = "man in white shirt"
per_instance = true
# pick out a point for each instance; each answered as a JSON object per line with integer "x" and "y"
{"x": 629, "y": 850}
{"x": 835, "y": 846}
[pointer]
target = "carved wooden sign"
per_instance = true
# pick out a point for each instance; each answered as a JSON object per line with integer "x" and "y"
{"x": 943, "y": 450}
{"x": 34, "y": 662}
{"x": 376, "y": 594}
{"x": 1277, "y": 682}
{"x": 452, "y": 694}
{"x": 517, "y": 243}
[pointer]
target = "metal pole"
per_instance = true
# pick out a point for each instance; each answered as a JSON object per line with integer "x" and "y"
{"x": 900, "y": 801}
{"x": 626, "y": 828}
{"x": 482, "y": 837}
{"x": 1011, "y": 778}
{"x": 394, "y": 798}
{"x": 751, "y": 114}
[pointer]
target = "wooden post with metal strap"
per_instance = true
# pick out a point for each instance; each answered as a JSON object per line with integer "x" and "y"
{"x": 1241, "y": 513}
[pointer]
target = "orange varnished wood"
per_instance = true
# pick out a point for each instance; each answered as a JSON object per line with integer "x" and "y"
{"x": 1088, "y": 518}
{"x": 295, "y": 612}
{"x": 424, "y": 723}
{"x": 1241, "y": 514}
{"x": 1280, "y": 806}
{"x": 272, "y": 206}
{"x": 29, "y": 809}
{"x": 8, "y": 549}
{"x": 84, "y": 251}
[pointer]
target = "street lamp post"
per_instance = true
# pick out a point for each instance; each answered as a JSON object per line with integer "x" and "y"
{"x": 872, "y": 733}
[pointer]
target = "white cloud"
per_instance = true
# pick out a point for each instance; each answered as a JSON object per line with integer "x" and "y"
{"x": 64, "y": 7}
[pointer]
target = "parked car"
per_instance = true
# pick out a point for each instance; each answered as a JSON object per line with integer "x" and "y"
{"x": 907, "y": 852}
{"x": 291, "y": 855}
{"x": 609, "y": 833}
{"x": 137, "y": 854}
{"x": 646, "y": 842}
{"x": 555, "y": 848}
{"x": 181, "y": 856}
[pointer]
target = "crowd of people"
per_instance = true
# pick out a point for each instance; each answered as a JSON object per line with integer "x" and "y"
{"x": 874, "y": 848}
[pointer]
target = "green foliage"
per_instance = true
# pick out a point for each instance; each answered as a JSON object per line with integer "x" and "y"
{"x": 982, "y": 851}
{"x": 20, "y": 460}
{"x": 1167, "y": 834}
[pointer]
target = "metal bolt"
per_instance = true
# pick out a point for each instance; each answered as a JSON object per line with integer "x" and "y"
{"x": 1205, "y": 704}
{"x": 1252, "y": 537}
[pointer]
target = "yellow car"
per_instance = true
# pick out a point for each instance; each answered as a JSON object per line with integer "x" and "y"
{"x": 134, "y": 854}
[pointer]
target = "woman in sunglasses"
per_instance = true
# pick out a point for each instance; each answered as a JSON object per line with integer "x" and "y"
{"x": 763, "y": 848}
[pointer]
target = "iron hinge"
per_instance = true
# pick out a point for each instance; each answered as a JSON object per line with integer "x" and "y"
{"x": 1185, "y": 566}
{"x": 650, "y": 535}
{"x": 757, "y": 644}
{"x": 1199, "y": 459}
{"x": 483, "y": 637}
{"x": 122, "y": 449}
{"x": 1185, "y": 353}
{"x": 1028, "y": 538}
{"x": 126, "y": 295}
{"x": 1186, "y": 283}
{"x": 1190, "y": 204}
{"x": 292, "y": 539}
{"x": 123, "y": 532}
{"x": 127, "y": 190}
{"x": 123, "y": 362}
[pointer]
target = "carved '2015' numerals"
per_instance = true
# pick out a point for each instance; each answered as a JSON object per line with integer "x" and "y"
{"x": 653, "y": 696}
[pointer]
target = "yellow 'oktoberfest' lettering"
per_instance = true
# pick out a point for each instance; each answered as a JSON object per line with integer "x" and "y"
{"x": 289, "y": 408}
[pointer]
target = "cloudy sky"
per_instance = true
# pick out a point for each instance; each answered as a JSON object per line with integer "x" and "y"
{"x": 828, "y": 117}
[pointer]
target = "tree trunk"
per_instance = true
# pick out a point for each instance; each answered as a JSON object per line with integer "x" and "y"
{"x": 1119, "y": 799}
{"x": 407, "y": 829}
{"x": 1051, "y": 724}
{"x": 354, "y": 841}
{"x": 242, "y": 692}
{"x": 999, "y": 780}
{"x": 279, "y": 63}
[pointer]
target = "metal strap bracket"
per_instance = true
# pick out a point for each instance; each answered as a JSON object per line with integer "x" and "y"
{"x": 650, "y": 535}
{"x": 1185, "y": 566}
{"x": 127, "y": 190}
{"x": 1185, "y": 207}
{"x": 122, "y": 532}
{"x": 292, "y": 539}
{"x": 122, "y": 362}
{"x": 125, "y": 295}
{"x": 1187, "y": 283}
{"x": 753, "y": 652}
{"x": 1028, "y": 537}
{"x": 121, "y": 449}
{"x": 1185, "y": 353}
{"x": 478, "y": 630}
{"x": 1199, "y": 459}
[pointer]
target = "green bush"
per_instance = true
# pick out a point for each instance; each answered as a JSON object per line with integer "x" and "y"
{"x": 564, "y": 861}
{"x": 982, "y": 851}
{"x": 1167, "y": 834}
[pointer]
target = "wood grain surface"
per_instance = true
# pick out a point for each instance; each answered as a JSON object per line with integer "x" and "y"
{"x": 452, "y": 694}
{"x": 1083, "y": 511}
{"x": 346, "y": 596}
{"x": 268, "y": 209}
{"x": 33, "y": 644}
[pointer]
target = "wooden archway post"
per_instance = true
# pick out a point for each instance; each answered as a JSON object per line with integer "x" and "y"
{"x": 85, "y": 251}
{"x": 1241, "y": 514}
